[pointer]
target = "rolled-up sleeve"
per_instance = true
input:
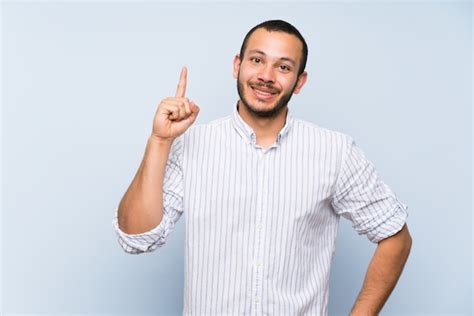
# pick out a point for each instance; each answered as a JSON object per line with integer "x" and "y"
{"x": 363, "y": 198}
{"x": 172, "y": 208}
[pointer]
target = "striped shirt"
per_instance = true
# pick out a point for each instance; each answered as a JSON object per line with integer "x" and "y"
{"x": 261, "y": 223}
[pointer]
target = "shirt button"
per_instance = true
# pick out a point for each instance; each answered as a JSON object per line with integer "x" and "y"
{"x": 259, "y": 263}
{"x": 259, "y": 227}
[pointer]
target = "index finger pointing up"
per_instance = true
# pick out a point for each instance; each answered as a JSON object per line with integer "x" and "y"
{"x": 181, "y": 90}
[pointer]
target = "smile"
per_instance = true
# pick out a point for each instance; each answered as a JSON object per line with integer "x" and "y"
{"x": 263, "y": 93}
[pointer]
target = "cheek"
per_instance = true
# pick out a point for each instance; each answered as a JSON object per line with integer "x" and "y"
{"x": 284, "y": 85}
{"x": 244, "y": 78}
{"x": 248, "y": 73}
{"x": 290, "y": 84}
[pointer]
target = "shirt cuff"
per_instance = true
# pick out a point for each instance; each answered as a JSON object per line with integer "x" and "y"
{"x": 146, "y": 241}
{"x": 392, "y": 225}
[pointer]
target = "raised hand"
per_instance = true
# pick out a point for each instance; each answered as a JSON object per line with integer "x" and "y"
{"x": 175, "y": 115}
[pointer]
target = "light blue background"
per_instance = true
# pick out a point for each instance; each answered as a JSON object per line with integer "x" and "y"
{"x": 81, "y": 83}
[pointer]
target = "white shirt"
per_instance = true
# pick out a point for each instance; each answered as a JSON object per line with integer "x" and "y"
{"x": 261, "y": 224}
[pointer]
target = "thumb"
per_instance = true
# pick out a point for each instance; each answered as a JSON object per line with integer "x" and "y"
{"x": 195, "y": 111}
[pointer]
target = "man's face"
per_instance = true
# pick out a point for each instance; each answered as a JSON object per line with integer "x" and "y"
{"x": 267, "y": 75}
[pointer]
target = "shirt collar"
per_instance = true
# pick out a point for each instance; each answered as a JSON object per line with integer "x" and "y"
{"x": 247, "y": 132}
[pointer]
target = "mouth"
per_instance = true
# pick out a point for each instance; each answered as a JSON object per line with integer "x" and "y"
{"x": 263, "y": 93}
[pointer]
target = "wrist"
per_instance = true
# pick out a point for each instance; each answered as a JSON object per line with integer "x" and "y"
{"x": 160, "y": 140}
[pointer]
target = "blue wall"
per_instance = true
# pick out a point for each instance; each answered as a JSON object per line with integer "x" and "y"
{"x": 81, "y": 83}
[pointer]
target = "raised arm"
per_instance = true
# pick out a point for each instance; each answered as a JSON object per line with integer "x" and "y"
{"x": 141, "y": 208}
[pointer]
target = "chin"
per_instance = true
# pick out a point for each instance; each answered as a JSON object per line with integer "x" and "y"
{"x": 262, "y": 106}
{"x": 263, "y": 110}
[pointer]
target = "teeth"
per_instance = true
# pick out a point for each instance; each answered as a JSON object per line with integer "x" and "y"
{"x": 263, "y": 92}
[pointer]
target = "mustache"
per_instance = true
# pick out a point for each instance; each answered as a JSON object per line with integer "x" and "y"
{"x": 267, "y": 85}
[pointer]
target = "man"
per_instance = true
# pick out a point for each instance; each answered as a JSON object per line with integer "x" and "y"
{"x": 262, "y": 193}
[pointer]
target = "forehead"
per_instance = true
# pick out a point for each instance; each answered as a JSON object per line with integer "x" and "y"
{"x": 275, "y": 44}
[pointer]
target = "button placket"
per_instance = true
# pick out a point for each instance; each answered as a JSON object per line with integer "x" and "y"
{"x": 261, "y": 209}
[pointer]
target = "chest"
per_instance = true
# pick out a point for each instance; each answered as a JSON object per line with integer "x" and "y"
{"x": 228, "y": 179}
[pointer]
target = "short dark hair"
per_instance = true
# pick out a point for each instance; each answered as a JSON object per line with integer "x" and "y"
{"x": 279, "y": 26}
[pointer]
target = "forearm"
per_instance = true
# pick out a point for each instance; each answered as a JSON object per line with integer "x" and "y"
{"x": 141, "y": 208}
{"x": 383, "y": 273}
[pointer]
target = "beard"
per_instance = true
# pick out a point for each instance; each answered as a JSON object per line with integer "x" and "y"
{"x": 266, "y": 113}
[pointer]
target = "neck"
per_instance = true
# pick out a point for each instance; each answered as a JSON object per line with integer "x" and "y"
{"x": 266, "y": 128}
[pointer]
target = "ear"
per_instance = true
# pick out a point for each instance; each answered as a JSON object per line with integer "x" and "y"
{"x": 236, "y": 65}
{"x": 301, "y": 81}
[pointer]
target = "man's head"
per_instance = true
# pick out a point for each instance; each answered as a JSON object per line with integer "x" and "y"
{"x": 270, "y": 67}
{"x": 279, "y": 26}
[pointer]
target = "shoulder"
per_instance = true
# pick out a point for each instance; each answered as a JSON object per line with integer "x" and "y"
{"x": 203, "y": 131}
{"x": 219, "y": 123}
{"x": 320, "y": 133}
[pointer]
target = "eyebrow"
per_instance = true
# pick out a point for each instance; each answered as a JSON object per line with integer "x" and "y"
{"x": 256, "y": 51}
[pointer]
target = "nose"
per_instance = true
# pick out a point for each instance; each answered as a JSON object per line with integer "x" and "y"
{"x": 266, "y": 73}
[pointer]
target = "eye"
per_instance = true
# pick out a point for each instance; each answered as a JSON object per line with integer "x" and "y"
{"x": 256, "y": 60}
{"x": 285, "y": 68}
